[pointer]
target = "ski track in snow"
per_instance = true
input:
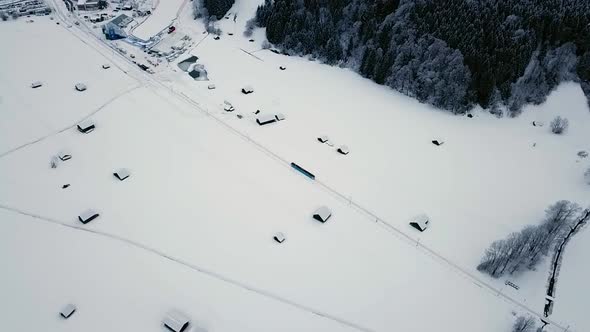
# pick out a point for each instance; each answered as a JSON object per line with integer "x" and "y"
{"x": 192, "y": 266}
{"x": 156, "y": 85}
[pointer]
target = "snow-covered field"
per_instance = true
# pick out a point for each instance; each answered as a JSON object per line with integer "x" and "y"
{"x": 162, "y": 16}
{"x": 30, "y": 114}
{"x": 491, "y": 177}
{"x": 210, "y": 200}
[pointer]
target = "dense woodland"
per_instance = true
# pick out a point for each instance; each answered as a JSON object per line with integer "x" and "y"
{"x": 449, "y": 53}
{"x": 209, "y": 8}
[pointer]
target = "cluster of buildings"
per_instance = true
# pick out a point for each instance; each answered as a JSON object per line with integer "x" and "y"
{"x": 24, "y": 7}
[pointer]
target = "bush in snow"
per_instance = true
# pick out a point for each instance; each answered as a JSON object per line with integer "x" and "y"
{"x": 3, "y": 16}
{"x": 266, "y": 45}
{"x": 587, "y": 176}
{"x": 559, "y": 125}
{"x": 524, "y": 324}
{"x": 525, "y": 249}
{"x": 212, "y": 26}
{"x": 250, "y": 25}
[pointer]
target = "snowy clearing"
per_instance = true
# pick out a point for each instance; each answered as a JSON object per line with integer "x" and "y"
{"x": 211, "y": 201}
{"x": 29, "y": 114}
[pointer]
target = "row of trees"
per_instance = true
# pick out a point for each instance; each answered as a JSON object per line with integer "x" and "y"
{"x": 452, "y": 53}
{"x": 524, "y": 249}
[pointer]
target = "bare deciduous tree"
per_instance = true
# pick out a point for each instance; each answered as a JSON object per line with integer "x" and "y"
{"x": 559, "y": 125}
{"x": 527, "y": 247}
{"x": 524, "y": 324}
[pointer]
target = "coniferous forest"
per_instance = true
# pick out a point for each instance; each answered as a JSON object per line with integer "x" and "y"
{"x": 453, "y": 54}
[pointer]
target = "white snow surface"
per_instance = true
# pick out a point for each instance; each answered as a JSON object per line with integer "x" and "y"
{"x": 163, "y": 15}
{"x": 192, "y": 229}
{"x": 29, "y": 114}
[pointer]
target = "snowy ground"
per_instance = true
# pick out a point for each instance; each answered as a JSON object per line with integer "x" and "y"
{"x": 30, "y": 114}
{"x": 162, "y": 16}
{"x": 211, "y": 200}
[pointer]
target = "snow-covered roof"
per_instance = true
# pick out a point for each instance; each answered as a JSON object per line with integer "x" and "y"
{"x": 265, "y": 118}
{"x": 421, "y": 220}
{"x": 86, "y": 124}
{"x": 280, "y": 116}
{"x": 248, "y": 88}
{"x": 176, "y": 321}
{"x": 36, "y": 84}
{"x": 80, "y": 86}
{"x": 88, "y": 214}
{"x": 122, "y": 173}
{"x": 323, "y": 213}
{"x": 280, "y": 237}
{"x": 64, "y": 155}
{"x": 67, "y": 310}
{"x": 343, "y": 149}
{"x": 323, "y": 139}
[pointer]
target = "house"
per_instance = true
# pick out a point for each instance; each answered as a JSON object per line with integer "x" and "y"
{"x": 87, "y": 216}
{"x": 67, "y": 311}
{"x": 420, "y": 222}
{"x": 86, "y": 126}
{"x": 280, "y": 116}
{"x": 247, "y": 90}
{"x": 323, "y": 139}
{"x": 343, "y": 149}
{"x": 80, "y": 86}
{"x": 122, "y": 174}
{"x": 279, "y": 237}
{"x": 176, "y": 321}
{"x": 36, "y": 84}
{"x": 228, "y": 107}
{"x": 113, "y": 30}
{"x": 263, "y": 119}
{"x": 91, "y": 4}
{"x": 322, "y": 214}
{"x": 63, "y": 156}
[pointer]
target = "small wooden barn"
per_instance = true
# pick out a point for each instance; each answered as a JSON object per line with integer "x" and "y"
{"x": 420, "y": 222}
{"x": 67, "y": 311}
{"x": 322, "y": 214}
{"x": 86, "y": 126}
{"x": 87, "y": 216}
{"x": 176, "y": 321}
{"x": 263, "y": 119}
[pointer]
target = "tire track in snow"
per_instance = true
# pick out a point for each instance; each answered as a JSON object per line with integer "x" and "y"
{"x": 371, "y": 216}
{"x": 191, "y": 266}
{"x": 101, "y": 107}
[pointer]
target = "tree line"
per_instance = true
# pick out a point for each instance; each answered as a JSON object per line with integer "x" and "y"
{"x": 453, "y": 54}
{"x": 525, "y": 249}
